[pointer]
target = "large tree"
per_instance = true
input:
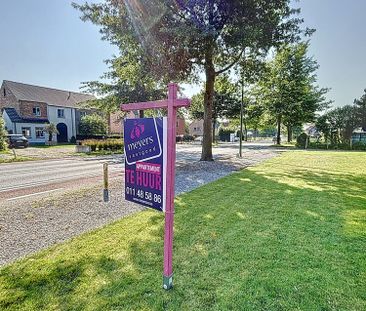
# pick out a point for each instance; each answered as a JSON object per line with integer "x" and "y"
{"x": 176, "y": 40}
{"x": 338, "y": 124}
{"x": 93, "y": 124}
{"x": 361, "y": 110}
{"x": 289, "y": 88}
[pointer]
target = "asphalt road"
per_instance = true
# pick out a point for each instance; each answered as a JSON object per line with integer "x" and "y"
{"x": 35, "y": 178}
{"x": 28, "y": 178}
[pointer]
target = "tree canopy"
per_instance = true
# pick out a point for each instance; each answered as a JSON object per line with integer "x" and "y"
{"x": 93, "y": 124}
{"x": 289, "y": 90}
{"x": 360, "y": 111}
{"x": 177, "y": 40}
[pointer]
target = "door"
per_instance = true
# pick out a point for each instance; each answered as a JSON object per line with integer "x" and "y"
{"x": 62, "y": 133}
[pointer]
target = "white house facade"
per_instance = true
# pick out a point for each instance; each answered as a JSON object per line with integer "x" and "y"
{"x": 27, "y": 109}
{"x": 64, "y": 118}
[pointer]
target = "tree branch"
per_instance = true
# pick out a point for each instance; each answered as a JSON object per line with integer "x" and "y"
{"x": 237, "y": 58}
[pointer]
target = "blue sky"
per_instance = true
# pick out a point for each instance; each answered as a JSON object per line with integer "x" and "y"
{"x": 44, "y": 42}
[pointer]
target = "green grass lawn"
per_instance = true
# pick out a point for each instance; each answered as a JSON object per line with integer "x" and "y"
{"x": 289, "y": 234}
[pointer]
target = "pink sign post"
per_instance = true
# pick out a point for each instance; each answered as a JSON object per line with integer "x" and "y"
{"x": 171, "y": 104}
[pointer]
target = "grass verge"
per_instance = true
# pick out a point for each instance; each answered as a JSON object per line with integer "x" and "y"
{"x": 58, "y": 146}
{"x": 289, "y": 234}
{"x": 8, "y": 157}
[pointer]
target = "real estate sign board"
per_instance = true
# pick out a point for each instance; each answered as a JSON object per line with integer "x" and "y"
{"x": 145, "y": 145}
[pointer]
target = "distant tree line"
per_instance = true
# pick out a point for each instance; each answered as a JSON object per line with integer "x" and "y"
{"x": 281, "y": 92}
{"x": 338, "y": 124}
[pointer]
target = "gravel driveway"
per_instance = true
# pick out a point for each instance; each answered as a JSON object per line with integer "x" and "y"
{"x": 27, "y": 226}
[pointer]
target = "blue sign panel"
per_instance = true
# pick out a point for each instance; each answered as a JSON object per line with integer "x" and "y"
{"x": 145, "y": 161}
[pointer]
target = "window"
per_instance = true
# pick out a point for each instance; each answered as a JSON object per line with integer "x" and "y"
{"x": 39, "y": 132}
{"x": 36, "y": 111}
{"x": 4, "y": 92}
{"x": 60, "y": 113}
{"x": 26, "y": 131}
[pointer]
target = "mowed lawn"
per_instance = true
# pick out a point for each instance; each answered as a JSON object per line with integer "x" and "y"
{"x": 289, "y": 234}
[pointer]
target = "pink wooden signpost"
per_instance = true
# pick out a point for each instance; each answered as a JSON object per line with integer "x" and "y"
{"x": 172, "y": 104}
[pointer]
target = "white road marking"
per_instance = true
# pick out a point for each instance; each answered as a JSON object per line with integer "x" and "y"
{"x": 32, "y": 194}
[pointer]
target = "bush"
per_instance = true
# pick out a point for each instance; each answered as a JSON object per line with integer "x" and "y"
{"x": 184, "y": 138}
{"x": 340, "y": 146}
{"x": 73, "y": 140}
{"x": 301, "y": 140}
{"x": 359, "y": 145}
{"x": 3, "y": 133}
{"x": 93, "y": 124}
{"x": 317, "y": 145}
{"x": 187, "y": 137}
{"x": 224, "y": 133}
{"x": 106, "y": 144}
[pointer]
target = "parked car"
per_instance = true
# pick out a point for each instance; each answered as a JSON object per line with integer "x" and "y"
{"x": 17, "y": 140}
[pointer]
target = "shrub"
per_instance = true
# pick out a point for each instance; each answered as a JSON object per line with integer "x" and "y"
{"x": 3, "y": 133}
{"x": 187, "y": 137}
{"x": 339, "y": 146}
{"x": 301, "y": 140}
{"x": 93, "y": 124}
{"x": 224, "y": 133}
{"x": 317, "y": 145}
{"x": 359, "y": 145}
{"x": 106, "y": 144}
{"x": 73, "y": 140}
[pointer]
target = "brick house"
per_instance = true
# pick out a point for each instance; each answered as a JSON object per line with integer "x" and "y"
{"x": 28, "y": 108}
{"x": 115, "y": 121}
{"x": 196, "y": 128}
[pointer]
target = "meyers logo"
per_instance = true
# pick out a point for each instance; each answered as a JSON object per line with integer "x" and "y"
{"x": 136, "y": 132}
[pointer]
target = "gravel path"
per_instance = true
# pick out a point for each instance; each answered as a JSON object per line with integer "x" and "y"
{"x": 28, "y": 226}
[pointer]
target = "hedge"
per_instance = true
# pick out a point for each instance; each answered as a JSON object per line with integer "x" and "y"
{"x": 341, "y": 146}
{"x": 106, "y": 144}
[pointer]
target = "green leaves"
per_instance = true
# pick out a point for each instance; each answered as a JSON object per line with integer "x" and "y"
{"x": 3, "y": 133}
{"x": 289, "y": 88}
{"x": 93, "y": 124}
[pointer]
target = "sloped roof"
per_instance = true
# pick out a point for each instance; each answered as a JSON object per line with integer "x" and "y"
{"x": 46, "y": 95}
{"x": 14, "y": 117}
{"x": 359, "y": 130}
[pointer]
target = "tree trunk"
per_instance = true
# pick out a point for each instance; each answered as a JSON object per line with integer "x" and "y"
{"x": 289, "y": 133}
{"x": 279, "y": 119}
{"x": 206, "y": 154}
{"x": 245, "y": 131}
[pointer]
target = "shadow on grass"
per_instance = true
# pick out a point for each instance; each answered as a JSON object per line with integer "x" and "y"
{"x": 253, "y": 240}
